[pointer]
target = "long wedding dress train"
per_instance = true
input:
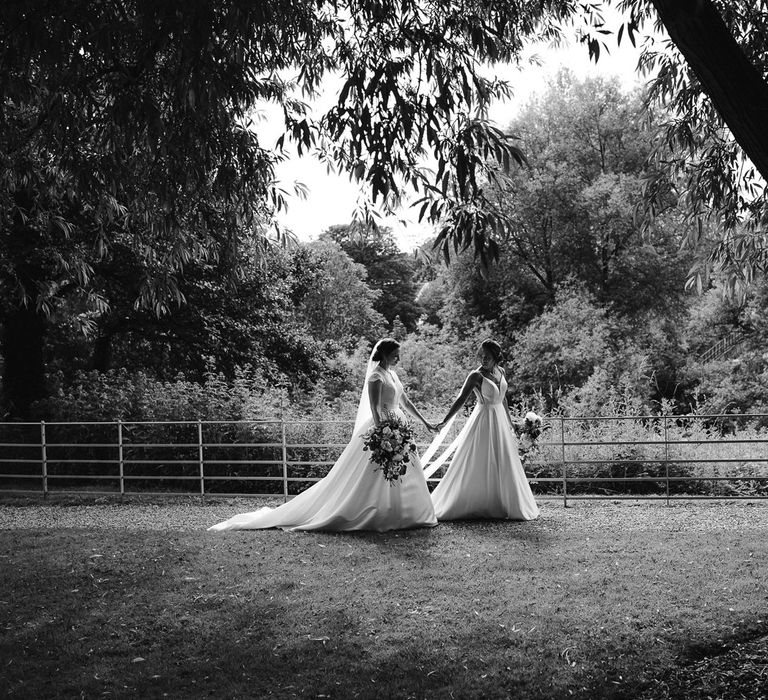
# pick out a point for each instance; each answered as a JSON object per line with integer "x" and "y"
{"x": 352, "y": 496}
{"x": 485, "y": 478}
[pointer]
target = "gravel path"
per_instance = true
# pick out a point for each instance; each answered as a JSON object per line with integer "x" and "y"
{"x": 195, "y": 515}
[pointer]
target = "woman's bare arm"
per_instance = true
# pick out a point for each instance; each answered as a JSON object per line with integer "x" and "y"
{"x": 473, "y": 380}
{"x": 506, "y": 408}
{"x": 411, "y": 408}
{"x": 374, "y": 396}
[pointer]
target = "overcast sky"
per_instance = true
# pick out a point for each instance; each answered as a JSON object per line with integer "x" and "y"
{"x": 332, "y": 198}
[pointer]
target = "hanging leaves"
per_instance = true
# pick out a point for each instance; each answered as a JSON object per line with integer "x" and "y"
{"x": 151, "y": 107}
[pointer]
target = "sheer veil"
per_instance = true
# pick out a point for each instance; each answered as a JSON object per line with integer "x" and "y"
{"x": 439, "y": 439}
{"x": 364, "y": 413}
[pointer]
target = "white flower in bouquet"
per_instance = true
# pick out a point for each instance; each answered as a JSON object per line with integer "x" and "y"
{"x": 527, "y": 431}
{"x": 390, "y": 443}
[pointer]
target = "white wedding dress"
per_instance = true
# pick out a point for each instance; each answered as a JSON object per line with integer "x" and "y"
{"x": 485, "y": 478}
{"x": 352, "y": 496}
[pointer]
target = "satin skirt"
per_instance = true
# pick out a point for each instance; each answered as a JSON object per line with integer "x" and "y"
{"x": 486, "y": 478}
{"x": 351, "y": 497}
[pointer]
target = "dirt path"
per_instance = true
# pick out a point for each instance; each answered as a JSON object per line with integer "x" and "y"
{"x": 195, "y": 515}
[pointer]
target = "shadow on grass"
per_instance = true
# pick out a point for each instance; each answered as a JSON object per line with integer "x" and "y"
{"x": 490, "y": 609}
{"x": 490, "y": 533}
{"x": 481, "y": 660}
{"x": 732, "y": 666}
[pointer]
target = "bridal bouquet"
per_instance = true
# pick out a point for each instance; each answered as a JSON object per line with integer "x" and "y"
{"x": 527, "y": 432}
{"x": 391, "y": 444}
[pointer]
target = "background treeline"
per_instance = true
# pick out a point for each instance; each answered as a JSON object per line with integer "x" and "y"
{"x": 588, "y": 299}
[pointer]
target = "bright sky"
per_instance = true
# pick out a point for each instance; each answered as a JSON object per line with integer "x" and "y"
{"x": 332, "y": 198}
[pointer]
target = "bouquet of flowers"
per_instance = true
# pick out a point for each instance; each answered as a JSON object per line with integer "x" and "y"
{"x": 527, "y": 432}
{"x": 391, "y": 444}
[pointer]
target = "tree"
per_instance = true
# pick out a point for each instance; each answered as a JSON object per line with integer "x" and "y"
{"x": 129, "y": 122}
{"x": 571, "y": 215}
{"x": 571, "y": 211}
{"x": 712, "y": 77}
{"x": 563, "y": 346}
{"x": 717, "y": 80}
{"x": 225, "y": 325}
{"x": 726, "y": 67}
{"x": 121, "y": 126}
{"x": 140, "y": 112}
{"x": 332, "y": 296}
{"x": 390, "y": 271}
{"x": 143, "y": 73}
{"x": 734, "y": 381}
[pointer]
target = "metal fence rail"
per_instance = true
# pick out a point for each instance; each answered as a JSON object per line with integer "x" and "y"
{"x": 724, "y": 347}
{"x": 650, "y": 457}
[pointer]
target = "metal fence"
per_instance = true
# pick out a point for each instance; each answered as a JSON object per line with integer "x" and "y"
{"x": 724, "y": 347}
{"x": 649, "y": 457}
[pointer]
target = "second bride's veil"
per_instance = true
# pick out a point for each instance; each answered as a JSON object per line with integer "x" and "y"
{"x": 364, "y": 412}
{"x": 431, "y": 467}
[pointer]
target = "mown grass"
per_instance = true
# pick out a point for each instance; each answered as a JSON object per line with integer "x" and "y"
{"x": 557, "y": 608}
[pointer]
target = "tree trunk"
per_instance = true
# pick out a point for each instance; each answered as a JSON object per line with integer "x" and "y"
{"x": 733, "y": 83}
{"x": 23, "y": 368}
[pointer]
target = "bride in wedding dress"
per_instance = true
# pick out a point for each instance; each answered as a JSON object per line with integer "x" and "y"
{"x": 485, "y": 478}
{"x": 353, "y": 496}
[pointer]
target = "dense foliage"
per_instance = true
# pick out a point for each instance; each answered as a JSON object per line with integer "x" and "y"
{"x": 588, "y": 302}
{"x": 610, "y": 333}
{"x": 128, "y": 159}
{"x": 389, "y": 271}
{"x": 126, "y": 140}
{"x": 710, "y": 75}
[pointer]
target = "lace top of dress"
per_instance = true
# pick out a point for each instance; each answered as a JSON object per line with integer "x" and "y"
{"x": 391, "y": 388}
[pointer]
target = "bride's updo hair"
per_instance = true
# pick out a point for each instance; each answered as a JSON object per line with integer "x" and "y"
{"x": 494, "y": 348}
{"x": 384, "y": 347}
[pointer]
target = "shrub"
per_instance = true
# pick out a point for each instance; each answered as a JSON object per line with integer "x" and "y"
{"x": 243, "y": 433}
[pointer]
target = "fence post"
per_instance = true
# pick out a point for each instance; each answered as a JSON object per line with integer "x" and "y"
{"x": 285, "y": 459}
{"x": 200, "y": 457}
{"x": 666, "y": 455}
{"x": 120, "y": 461}
{"x": 562, "y": 455}
{"x": 44, "y": 456}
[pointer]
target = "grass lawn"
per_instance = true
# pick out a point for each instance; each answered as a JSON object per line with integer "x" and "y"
{"x": 597, "y": 600}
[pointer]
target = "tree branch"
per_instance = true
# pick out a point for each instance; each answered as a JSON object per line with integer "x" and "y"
{"x": 735, "y": 86}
